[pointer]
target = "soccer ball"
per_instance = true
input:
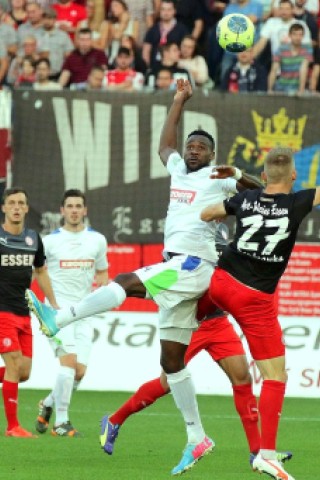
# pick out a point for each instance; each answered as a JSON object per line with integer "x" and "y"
{"x": 235, "y": 32}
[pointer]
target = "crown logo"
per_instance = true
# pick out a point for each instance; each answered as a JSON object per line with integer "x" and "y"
{"x": 279, "y": 130}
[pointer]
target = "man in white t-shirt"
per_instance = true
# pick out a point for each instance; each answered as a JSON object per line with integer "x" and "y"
{"x": 75, "y": 256}
{"x": 276, "y": 29}
{"x": 176, "y": 284}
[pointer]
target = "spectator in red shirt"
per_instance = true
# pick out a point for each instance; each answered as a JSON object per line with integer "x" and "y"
{"x": 123, "y": 77}
{"x": 79, "y": 63}
{"x": 69, "y": 16}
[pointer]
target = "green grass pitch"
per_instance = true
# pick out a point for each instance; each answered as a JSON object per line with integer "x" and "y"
{"x": 151, "y": 442}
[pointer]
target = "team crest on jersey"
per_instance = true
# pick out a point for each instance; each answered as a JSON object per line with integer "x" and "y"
{"x": 29, "y": 241}
{"x": 6, "y": 342}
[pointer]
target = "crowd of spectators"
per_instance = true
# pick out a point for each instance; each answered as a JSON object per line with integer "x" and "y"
{"x": 134, "y": 45}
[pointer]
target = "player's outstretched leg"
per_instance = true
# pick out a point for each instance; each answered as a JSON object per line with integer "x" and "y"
{"x": 273, "y": 468}
{"x": 43, "y": 417}
{"x": 192, "y": 454}
{"x": 108, "y": 434}
{"x": 45, "y": 315}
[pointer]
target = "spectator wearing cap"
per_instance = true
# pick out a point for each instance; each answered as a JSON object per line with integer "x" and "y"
{"x": 58, "y": 42}
{"x": 43, "y": 81}
{"x": 124, "y": 77}
{"x": 69, "y": 16}
{"x": 7, "y": 33}
{"x": 79, "y": 63}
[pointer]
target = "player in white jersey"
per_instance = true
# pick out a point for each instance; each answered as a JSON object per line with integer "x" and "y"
{"x": 75, "y": 255}
{"x": 176, "y": 284}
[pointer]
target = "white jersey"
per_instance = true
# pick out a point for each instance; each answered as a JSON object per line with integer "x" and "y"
{"x": 277, "y": 31}
{"x": 72, "y": 260}
{"x": 190, "y": 192}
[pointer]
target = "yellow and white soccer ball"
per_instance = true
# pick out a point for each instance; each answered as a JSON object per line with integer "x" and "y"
{"x": 235, "y": 32}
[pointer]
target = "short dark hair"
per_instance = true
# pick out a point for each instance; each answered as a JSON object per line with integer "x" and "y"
{"x": 30, "y": 59}
{"x": 296, "y": 27}
{"x": 165, "y": 69}
{"x": 286, "y": 1}
{"x": 166, "y": 47}
{"x": 97, "y": 68}
{"x": 170, "y": 1}
{"x": 204, "y": 134}
{"x": 43, "y": 60}
{"x": 13, "y": 191}
{"x": 124, "y": 51}
{"x": 73, "y": 192}
{"x": 84, "y": 31}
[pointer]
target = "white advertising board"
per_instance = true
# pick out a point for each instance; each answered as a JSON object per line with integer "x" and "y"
{"x": 126, "y": 353}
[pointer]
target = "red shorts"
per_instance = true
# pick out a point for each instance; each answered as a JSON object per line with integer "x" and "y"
{"x": 217, "y": 337}
{"x": 15, "y": 334}
{"x": 254, "y": 311}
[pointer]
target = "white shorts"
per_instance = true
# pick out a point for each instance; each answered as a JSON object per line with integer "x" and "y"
{"x": 178, "y": 335}
{"x": 76, "y": 339}
{"x": 176, "y": 286}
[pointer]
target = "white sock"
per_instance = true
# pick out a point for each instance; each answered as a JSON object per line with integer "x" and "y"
{"x": 183, "y": 392}
{"x": 49, "y": 400}
{"x": 76, "y": 385}
{"x": 62, "y": 394}
{"x": 268, "y": 454}
{"x": 101, "y": 300}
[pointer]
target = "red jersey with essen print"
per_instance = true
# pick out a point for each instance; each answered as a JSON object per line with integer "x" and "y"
{"x": 71, "y": 14}
{"x": 18, "y": 254}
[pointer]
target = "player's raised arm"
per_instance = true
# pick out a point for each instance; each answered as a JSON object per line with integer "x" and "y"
{"x": 168, "y": 138}
{"x": 213, "y": 212}
{"x": 244, "y": 180}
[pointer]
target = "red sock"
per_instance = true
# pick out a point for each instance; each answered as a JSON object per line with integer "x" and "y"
{"x": 146, "y": 395}
{"x": 247, "y": 408}
{"x": 2, "y": 372}
{"x": 10, "y": 400}
{"x": 270, "y": 406}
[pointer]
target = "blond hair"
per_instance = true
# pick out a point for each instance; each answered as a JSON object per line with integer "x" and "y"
{"x": 279, "y": 165}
